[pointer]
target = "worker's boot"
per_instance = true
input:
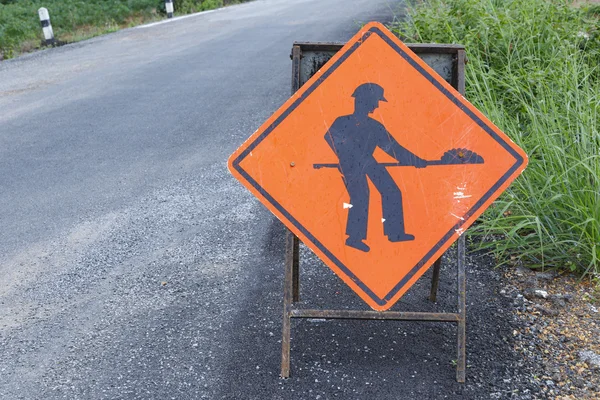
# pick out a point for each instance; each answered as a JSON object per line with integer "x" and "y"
{"x": 401, "y": 237}
{"x": 357, "y": 244}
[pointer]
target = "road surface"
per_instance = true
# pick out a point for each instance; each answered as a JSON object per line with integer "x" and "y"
{"x": 134, "y": 266}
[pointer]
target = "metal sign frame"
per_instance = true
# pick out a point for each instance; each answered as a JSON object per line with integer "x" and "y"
{"x": 307, "y": 58}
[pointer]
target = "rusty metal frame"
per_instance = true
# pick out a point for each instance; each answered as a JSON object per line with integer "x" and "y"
{"x": 291, "y": 287}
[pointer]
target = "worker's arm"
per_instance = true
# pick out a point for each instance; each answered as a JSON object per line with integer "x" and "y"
{"x": 332, "y": 135}
{"x": 393, "y": 148}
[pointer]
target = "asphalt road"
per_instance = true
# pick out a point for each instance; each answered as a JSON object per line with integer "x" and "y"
{"x": 135, "y": 267}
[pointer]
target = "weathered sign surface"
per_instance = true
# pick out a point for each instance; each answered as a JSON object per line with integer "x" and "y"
{"x": 378, "y": 165}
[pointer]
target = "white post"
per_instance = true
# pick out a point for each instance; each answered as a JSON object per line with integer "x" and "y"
{"x": 46, "y": 26}
{"x": 169, "y": 7}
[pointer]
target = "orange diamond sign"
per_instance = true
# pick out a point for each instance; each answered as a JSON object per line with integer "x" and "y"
{"x": 378, "y": 165}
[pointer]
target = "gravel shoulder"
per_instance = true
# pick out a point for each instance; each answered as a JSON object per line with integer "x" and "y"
{"x": 379, "y": 359}
{"x": 560, "y": 330}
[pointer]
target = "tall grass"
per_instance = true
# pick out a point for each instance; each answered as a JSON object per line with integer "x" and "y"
{"x": 534, "y": 70}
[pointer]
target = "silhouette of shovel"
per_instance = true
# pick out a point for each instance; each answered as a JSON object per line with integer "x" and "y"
{"x": 451, "y": 157}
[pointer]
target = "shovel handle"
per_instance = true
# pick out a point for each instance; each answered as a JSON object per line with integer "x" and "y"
{"x": 430, "y": 162}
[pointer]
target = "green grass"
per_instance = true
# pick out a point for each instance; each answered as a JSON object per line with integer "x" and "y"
{"x": 74, "y": 20}
{"x": 534, "y": 70}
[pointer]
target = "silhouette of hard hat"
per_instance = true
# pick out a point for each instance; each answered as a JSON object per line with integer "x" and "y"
{"x": 369, "y": 91}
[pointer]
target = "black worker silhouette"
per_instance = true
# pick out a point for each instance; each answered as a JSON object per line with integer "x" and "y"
{"x": 354, "y": 139}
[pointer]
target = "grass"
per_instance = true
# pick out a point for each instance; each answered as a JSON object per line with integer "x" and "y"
{"x": 534, "y": 70}
{"x": 74, "y": 20}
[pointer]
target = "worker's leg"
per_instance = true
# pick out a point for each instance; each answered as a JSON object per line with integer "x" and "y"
{"x": 358, "y": 213}
{"x": 391, "y": 202}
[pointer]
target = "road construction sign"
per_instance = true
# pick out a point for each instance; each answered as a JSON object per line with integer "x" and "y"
{"x": 378, "y": 165}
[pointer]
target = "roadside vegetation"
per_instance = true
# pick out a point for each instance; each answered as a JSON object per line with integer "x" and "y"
{"x": 74, "y": 20}
{"x": 534, "y": 69}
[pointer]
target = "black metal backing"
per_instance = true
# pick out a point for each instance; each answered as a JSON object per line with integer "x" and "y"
{"x": 291, "y": 292}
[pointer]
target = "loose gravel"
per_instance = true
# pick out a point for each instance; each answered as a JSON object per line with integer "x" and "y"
{"x": 560, "y": 330}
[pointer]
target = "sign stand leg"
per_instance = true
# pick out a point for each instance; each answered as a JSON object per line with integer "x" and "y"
{"x": 462, "y": 311}
{"x": 296, "y": 269}
{"x": 435, "y": 280}
{"x": 288, "y": 297}
{"x": 291, "y": 283}
{"x": 462, "y": 277}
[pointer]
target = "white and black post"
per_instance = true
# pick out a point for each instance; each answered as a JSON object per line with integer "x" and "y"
{"x": 169, "y": 7}
{"x": 46, "y": 26}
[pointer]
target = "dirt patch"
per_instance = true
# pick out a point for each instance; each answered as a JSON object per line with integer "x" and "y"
{"x": 561, "y": 330}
